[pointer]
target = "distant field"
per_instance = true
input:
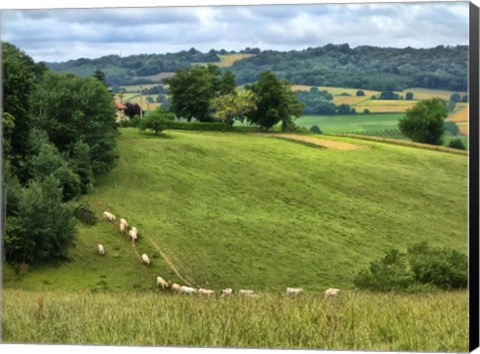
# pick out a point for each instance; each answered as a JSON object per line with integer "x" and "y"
{"x": 228, "y": 59}
{"x": 157, "y": 77}
{"x": 336, "y": 91}
{"x": 136, "y": 88}
{"x": 384, "y": 106}
{"x": 350, "y": 100}
{"x": 424, "y": 94}
{"x": 144, "y": 104}
{"x": 351, "y": 123}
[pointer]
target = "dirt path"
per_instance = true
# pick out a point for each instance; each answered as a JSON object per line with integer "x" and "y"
{"x": 169, "y": 262}
{"x": 329, "y": 144}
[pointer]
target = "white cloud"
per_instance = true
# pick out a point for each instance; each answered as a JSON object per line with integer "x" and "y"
{"x": 57, "y": 35}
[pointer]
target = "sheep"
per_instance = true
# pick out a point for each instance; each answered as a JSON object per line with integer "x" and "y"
{"x": 175, "y": 287}
{"x": 332, "y": 292}
{"x": 145, "y": 259}
{"x": 123, "y": 221}
{"x": 109, "y": 216}
{"x": 294, "y": 291}
{"x": 122, "y": 228}
{"x": 133, "y": 235}
{"x": 161, "y": 282}
{"x": 101, "y": 250}
{"x": 227, "y": 292}
{"x": 207, "y": 292}
{"x": 188, "y": 290}
{"x": 246, "y": 292}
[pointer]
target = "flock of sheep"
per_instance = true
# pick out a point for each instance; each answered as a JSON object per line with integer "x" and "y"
{"x": 133, "y": 234}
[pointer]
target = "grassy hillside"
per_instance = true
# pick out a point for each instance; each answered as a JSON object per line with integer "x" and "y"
{"x": 229, "y": 209}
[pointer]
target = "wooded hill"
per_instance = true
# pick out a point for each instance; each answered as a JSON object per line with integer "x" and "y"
{"x": 331, "y": 65}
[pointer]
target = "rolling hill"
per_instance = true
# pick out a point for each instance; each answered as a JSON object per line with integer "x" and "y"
{"x": 237, "y": 210}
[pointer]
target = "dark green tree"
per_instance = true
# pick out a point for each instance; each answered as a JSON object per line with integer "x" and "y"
{"x": 43, "y": 228}
{"x": 275, "y": 102}
{"x": 100, "y": 76}
{"x": 409, "y": 96}
{"x": 20, "y": 77}
{"x": 455, "y": 97}
{"x": 191, "y": 90}
{"x": 360, "y": 93}
{"x": 424, "y": 122}
{"x": 71, "y": 109}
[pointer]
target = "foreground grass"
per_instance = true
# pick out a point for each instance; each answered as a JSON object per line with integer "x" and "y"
{"x": 362, "y": 321}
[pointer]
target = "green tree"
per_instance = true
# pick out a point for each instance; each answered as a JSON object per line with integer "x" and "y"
{"x": 100, "y": 76}
{"x": 360, "y": 93}
{"x": 157, "y": 120}
{"x": 424, "y": 122}
{"x": 191, "y": 90}
{"x": 409, "y": 96}
{"x": 232, "y": 106}
{"x": 70, "y": 109}
{"x": 20, "y": 77}
{"x": 275, "y": 102}
{"x": 43, "y": 228}
{"x": 452, "y": 128}
{"x": 455, "y": 97}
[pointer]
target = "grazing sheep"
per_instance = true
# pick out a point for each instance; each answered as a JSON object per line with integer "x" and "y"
{"x": 122, "y": 228}
{"x": 188, "y": 290}
{"x": 227, "y": 292}
{"x": 246, "y": 292}
{"x": 332, "y": 292}
{"x": 109, "y": 216}
{"x": 161, "y": 282}
{"x": 175, "y": 287}
{"x": 133, "y": 235}
{"x": 207, "y": 292}
{"x": 123, "y": 221}
{"x": 145, "y": 259}
{"x": 294, "y": 291}
{"x": 101, "y": 250}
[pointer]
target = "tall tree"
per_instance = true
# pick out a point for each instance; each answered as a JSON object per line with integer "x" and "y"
{"x": 100, "y": 76}
{"x": 70, "y": 109}
{"x": 424, "y": 122}
{"x": 232, "y": 106}
{"x": 275, "y": 102}
{"x": 20, "y": 77}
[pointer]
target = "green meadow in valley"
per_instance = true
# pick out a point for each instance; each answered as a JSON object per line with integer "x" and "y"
{"x": 219, "y": 210}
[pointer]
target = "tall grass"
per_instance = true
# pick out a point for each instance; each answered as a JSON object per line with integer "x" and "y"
{"x": 361, "y": 321}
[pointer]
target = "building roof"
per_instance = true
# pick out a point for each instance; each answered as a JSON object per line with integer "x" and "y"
{"x": 120, "y": 105}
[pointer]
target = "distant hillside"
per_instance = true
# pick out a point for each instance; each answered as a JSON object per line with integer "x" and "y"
{"x": 331, "y": 65}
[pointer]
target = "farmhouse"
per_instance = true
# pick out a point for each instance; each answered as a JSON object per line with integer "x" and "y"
{"x": 120, "y": 112}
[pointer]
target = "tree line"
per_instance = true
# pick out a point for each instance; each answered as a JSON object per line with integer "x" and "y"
{"x": 375, "y": 68}
{"x": 59, "y": 133}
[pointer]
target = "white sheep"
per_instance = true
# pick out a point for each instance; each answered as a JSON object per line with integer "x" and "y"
{"x": 294, "y": 291}
{"x": 207, "y": 292}
{"x": 162, "y": 282}
{"x": 332, "y": 292}
{"x": 133, "y": 235}
{"x": 175, "y": 287}
{"x": 109, "y": 216}
{"x": 227, "y": 292}
{"x": 122, "y": 228}
{"x": 101, "y": 250}
{"x": 188, "y": 290}
{"x": 123, "y": 221}
{"x": 145, "y": 259}
{"x": 246, "y": 292}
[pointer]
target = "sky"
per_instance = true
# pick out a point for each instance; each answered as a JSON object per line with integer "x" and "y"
{"x": 57, "y": 35}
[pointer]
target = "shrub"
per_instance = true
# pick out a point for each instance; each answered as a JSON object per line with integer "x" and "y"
{"x": 451, "y": 127}
{"x": 125, "y": 123}
{"x": 366, "y": 111}
{"x": 360, "y": 93}
{"x": 206, "y": 126}
{"x": 456, "y": 144}
{"x": 315, "y": 129}
{"x": 421, "y": 268}
{"x": 85, "y": 214}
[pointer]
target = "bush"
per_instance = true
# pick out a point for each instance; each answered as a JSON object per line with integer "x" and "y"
{"x": 125, "y": 123}
{"x": 85, "y": 214}
{"x": 360, "y": 93}
{"x": 366, "y": 111}
{"x": 315, "y": 129}
{"x": 421, "y": 268}
{"x": 206, "y": 126}
{"x": 456, "y": 144}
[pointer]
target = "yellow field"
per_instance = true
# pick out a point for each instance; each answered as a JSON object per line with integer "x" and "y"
{"x": 228, "y": 59}
{"x": 382, "y": 106}
{"x": 460, "y": 117}
{"x": 136, "y": 88}
{"x": 351, "y": 100}
{"x": 425, "y": 94}
{"x": 337, "y": 91}
{"x": 135, "y": 98}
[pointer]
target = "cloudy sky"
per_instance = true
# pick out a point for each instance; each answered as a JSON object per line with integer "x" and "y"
{"x": 63, "y": 34}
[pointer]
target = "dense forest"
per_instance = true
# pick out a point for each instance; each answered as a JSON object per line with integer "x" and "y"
{"x": 383, "y": 69}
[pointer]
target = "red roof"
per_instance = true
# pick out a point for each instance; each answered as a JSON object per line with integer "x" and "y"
{"x": 120, "y": 105}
